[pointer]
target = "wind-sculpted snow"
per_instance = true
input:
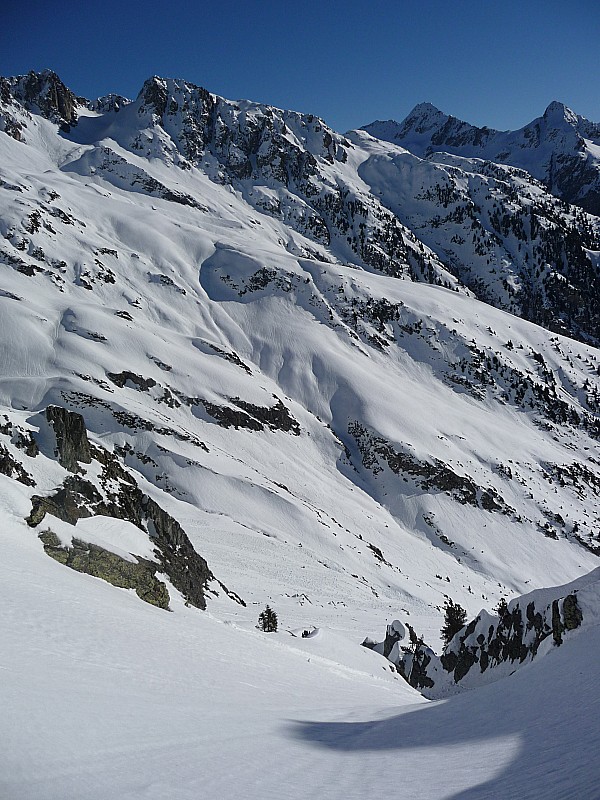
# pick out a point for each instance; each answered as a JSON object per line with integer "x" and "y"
{"x": 230, "y": 297}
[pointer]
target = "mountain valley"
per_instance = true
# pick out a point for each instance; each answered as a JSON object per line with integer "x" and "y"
{"x": 249, "y": 360}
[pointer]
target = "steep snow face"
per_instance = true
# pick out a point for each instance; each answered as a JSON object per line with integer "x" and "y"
{"x": 559, "y": 148}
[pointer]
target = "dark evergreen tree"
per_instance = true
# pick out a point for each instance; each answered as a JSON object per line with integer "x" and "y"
{"x": 267, "y": 620}
{"x": 455, "y": 618}
{"x": 502, "y": 607}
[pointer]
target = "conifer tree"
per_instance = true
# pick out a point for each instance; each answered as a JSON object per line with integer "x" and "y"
{"x": 267, "y": 620}
{"x": 502, "y": 608}
{"x": 455, "y": 617}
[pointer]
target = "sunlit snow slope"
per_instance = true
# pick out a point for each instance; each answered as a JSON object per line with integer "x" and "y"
{"x": 233, "y": 298}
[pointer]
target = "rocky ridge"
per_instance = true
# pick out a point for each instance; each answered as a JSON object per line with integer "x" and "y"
{"x": 476, "y": 223}
{"x": 556, "y": 148}
{"x": 113, "y": 492}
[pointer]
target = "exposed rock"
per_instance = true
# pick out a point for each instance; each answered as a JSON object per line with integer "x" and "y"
{"x": 375, "y": 451}
{"x": 25, "y": 441}
{"x": 71, "y": 437}
{"x": 487, "y": 641}
{"x": 187, "y": 571}
{"x": 75, "y": 499}
{"x": 101, "y": 563}
{"x": 414, "y": 670}
{"x": 12, "y": 468}
{"x": 251, "y": 416}
{"x": 44, "y": 91}
{"x": 121, "y": 379}
{"x": 394, "y": 633}
{"x": 570, "y": 171}
{"x": 276, "y": 417}
{"x": 572, "y": 614}
{"x": 120, "y": 497}
{"x": 109, "y": 102}
{"x": 228, "y": 417}
{"x": 78, "y": 498}
{"x": 266, "y": 144}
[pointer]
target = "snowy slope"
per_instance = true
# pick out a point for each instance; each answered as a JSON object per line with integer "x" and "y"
{"x": 394, "y": 386}
{"x": 247, "y": 319}
{"x": 106, "y": 696}
{"x": 515, "y": 245}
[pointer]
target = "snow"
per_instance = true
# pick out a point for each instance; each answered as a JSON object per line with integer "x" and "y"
{"x": 543, "y": 143}
{"x": 106, "y": 697}
{"x": 103, "y": 695}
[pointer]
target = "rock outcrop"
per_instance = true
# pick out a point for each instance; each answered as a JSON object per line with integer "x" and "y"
{"x": 491, "y": 646}
{"x": 116, "y": 494}
{"x": 72, "y": 445}
{"x": 45, "y": 93}
{"x": 101, "y": 563}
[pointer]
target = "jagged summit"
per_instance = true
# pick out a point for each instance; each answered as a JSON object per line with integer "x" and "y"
{"x": 45, "y": 93}
{"x": 557, "y": 112}
{"x": 425, "y": 113}
{"x": 559, "y": 148}
{"x": 331, "y": 190}
{"x": 425, "y": 108}
{"x": 108, "y": 102}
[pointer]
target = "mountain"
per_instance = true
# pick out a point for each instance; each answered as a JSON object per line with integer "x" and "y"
{"x": 560, "y": 148}
{"x": 242, "y": 366}
{"x": 498, "y": 230}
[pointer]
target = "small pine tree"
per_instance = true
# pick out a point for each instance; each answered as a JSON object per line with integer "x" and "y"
{"x": 267, "y": 620}
{"x": 502, "y": 607}
{"x": 455, "y": 617}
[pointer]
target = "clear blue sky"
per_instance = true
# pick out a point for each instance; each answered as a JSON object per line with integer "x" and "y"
{"x": 491, "y": 63}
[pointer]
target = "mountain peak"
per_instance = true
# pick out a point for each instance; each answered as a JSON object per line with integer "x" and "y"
{"x": 425, "y": 109}
{"x": 557, "y": 113}
{"x": 46, "y": 92}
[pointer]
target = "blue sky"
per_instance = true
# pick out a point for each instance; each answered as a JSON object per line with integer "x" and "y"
{"x": 491, "y": 63}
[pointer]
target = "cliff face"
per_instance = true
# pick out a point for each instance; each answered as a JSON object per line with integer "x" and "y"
{"x": 44, "y": 93}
